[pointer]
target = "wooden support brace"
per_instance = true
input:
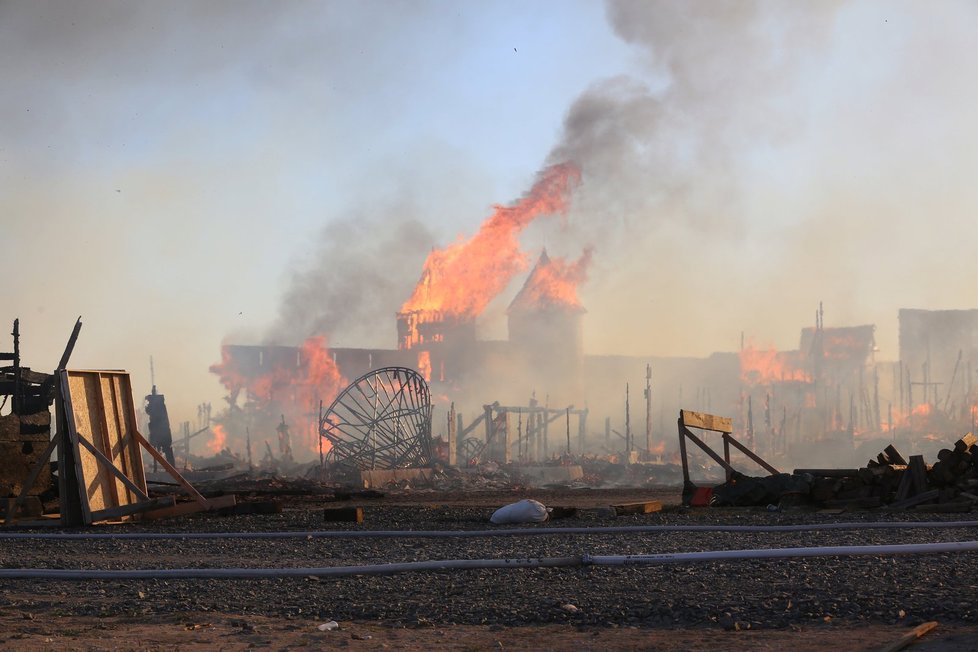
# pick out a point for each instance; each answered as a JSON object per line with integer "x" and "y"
{"x": 183, "y": 509}
{"x": 111, "y": 468}
{"x": 706, "y": 449}
{"x": 189, "y": 488}
{"x": 727, "y": 437}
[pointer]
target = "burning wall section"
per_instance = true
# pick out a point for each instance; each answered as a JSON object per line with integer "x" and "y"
{"x": 269, "y": 384}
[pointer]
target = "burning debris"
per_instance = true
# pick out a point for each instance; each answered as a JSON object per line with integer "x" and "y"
{"x": 271, "y": 385}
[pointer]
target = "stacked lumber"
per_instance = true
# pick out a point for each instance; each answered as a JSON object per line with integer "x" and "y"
{"x": 895, "y": 482}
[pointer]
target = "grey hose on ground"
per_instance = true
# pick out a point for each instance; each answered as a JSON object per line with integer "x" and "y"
{"x": 496, "y": 532}
{"x": 471, "y": 564}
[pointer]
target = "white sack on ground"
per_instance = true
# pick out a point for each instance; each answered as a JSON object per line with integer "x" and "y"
{"x": 524, "y": 511}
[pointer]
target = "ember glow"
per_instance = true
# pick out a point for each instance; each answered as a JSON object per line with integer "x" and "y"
{"x": 459, "y": 281}
{"x": 763, "y": 367}
{"x": 424, "y": 364}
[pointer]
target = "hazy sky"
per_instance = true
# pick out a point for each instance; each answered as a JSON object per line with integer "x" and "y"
{"x": 185, "y": 173}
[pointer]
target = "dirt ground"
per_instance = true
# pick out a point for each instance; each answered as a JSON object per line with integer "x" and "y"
{"x": 20, "y": 630}
{"x": 213, "y": 631}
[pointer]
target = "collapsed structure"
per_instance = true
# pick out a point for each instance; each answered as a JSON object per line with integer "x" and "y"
{"x": 817, "y": 402}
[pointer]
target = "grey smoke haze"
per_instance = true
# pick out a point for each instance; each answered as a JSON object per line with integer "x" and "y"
{"x": 770, "y": 156}
{"x": 166, "y": 168}
{"x": 349, "y": 286}
{"x": 665, "y": 148}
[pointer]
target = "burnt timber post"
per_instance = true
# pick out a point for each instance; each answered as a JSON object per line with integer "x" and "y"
{"x": 568, "y": 431}
{"x": 581, "y": 428}
{"x": 546, "y": 429}
{"x": 628, "y": 424}
{"x": 648, "y": 409}
{"x": 452, "y": 436}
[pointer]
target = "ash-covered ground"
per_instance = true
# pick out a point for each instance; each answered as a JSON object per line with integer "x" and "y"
{"x": 757, "y": 594}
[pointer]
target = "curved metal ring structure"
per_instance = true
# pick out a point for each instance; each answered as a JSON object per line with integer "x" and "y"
{"x": 381, "y": 421}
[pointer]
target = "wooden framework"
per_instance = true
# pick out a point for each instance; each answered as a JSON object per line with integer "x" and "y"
{"x": 724, "y": 425}
{"x": 532, "y": 440}
{"x": 100, "y": 467}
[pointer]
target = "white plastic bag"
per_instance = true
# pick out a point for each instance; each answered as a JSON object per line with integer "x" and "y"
{"x": 524, "y": 511}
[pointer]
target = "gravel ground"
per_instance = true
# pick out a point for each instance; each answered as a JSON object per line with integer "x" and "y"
{"x": 734, "y": 595}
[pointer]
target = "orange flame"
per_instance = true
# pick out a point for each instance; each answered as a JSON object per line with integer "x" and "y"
{"x": 923, "y": 410}
{"x": 553, "y": 284}
{"x": 758, "y": 367}
{"x": 219, "y": 441}
{"x": 461, "y": 279}
{"x": 290, "y": 390}
{"x": 424, "y": 364}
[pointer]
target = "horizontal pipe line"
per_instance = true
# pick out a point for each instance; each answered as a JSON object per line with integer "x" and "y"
{"x": 784, "y": 553}
{"x": 496, "y": 532}
{"x": 471, "y": 564}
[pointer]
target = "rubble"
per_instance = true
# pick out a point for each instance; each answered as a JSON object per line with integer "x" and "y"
{"x": 889, "y": 481}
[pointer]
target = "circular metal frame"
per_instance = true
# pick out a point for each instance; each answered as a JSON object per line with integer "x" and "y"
{"x": 382, "y": 420}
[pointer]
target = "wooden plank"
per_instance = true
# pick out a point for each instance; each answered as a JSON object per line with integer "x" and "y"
{"x": 959, "y": 507}
{"x": 132, "y": 508}
{"x": 751, "y": 454}
{"x": 343, "y": 515}
{"x": 828, "y": 473}
{"x": 903, "y": 489}
{"x": 646, "y": 507}
{"x": 106, "y": 443}
{"x": 916, "y": 500}
{"x": 893, "y": 455}
{"x": 189, "y": 488}
{"x": 126, "y": 408}
{"x": 182, "y": 509}
{"x": 97, "y": 408}
{"x": 909, "y": 638}
{"x": 83, "y": 416}
{"x": 706, "y": 421}
{"x": 71, "y": 344}
{"x": 918, "y": 471}
{"x": 706, "y": 449}
{"x": 965, "y": 443}
{"x": 107, "y": 463}
{"x": 68, "y": 486}
{"x": 73, "y": 452}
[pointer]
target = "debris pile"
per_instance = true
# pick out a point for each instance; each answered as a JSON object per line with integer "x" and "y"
{"x": 890, "y": 481}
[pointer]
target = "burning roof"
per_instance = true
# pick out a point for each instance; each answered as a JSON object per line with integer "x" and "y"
{"x": 552, "y": 285}
{"x": 855, "y": 343}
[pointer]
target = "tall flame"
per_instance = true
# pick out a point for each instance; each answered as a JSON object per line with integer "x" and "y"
{"x": 219, "y": 441}
{"x": 461, "y": 279}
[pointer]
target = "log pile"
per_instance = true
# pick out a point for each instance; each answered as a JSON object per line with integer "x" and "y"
{"x": 893, "y": 482}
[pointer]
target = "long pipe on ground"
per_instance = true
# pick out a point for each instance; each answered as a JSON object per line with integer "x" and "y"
{"x": 498, "y": 532}
{"x": 470, "y": 564}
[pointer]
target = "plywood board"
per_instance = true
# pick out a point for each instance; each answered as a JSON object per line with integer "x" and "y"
{"x": 706, "y": 421}
{"x": 99, "y": 407}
